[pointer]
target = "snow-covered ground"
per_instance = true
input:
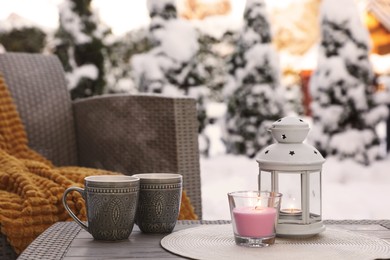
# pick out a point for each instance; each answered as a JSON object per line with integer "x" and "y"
{"x": 350, "y": 190}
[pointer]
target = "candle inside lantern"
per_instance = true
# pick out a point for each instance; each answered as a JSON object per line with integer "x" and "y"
{"x": 291, "y": 211}
{"x": 255, "y": 221}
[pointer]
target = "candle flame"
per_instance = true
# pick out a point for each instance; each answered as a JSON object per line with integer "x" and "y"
{"x": 292, "y": 206}
{"x": 258, "y": 204}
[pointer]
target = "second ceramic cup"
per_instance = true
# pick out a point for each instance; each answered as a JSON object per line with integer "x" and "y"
{"x": 159, "y": 201}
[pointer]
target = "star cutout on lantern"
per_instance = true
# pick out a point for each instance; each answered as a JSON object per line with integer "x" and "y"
{"x": 292, "y": 153}
{"x": 315, "y": 152}
{"x": 284, "y": 136}
{"x": 266, "y": 151}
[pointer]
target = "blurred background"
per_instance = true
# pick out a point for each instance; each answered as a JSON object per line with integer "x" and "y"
{"x": 247, "y": 63}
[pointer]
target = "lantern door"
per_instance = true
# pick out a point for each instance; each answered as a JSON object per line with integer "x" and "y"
{"x": 301, "y": 201}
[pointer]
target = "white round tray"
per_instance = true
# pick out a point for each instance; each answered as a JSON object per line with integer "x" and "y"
{"x": 217, "y": 242}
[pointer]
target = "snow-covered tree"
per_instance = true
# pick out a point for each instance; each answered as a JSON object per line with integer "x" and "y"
{"x": 118, "y": 69}
{"x": 18, "y": 34}
{"x": 211, "y": 59}
{"x": 255, "y": 100}
{"x": 345, "y": 107}
{"x": 170, "y": 67}
{"x": 80, "y": 46}
{"x": 28, "y": 39}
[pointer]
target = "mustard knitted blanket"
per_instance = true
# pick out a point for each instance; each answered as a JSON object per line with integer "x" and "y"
{"x": 31, "y": 188}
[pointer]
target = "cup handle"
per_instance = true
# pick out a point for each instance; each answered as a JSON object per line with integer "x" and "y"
{"x": 81, "y": 191}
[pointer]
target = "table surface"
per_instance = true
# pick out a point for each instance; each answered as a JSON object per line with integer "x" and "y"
{"x": 66, "y": 240}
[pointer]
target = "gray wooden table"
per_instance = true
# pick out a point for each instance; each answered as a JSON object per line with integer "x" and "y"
{"x": 66, "y": 240}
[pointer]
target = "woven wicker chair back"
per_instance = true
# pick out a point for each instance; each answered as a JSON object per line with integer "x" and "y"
{"x": 37, "y": 85}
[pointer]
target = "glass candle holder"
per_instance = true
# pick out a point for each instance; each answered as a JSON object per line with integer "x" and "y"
{"x": 254, "y": 217}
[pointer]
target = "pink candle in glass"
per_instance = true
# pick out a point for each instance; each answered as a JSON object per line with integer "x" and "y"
{"x": 254, "y": 222}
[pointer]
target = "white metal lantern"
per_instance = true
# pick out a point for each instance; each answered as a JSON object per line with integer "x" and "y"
{"x": 293, "y": 168}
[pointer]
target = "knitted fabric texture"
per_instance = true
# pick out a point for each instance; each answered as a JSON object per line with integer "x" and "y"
{"x": 187, "y": 211}
{"x": 31, "y": 187}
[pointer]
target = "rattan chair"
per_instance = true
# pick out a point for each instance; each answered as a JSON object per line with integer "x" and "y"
{"x": 124, "y": 133}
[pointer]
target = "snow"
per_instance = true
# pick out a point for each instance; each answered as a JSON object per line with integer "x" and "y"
{"x": 86, "y": 71}
{"x": 15, "y": 21}
{"x": 216, "y": 26}
{"x": 350, "y": 190}
{"x": 215, "y": 110}
{"x": 72, "y": 23}
{"x": 348, "y": 142}
{"x": 216, "y": 145}
{"x": 124, "y": 86}
{"x": 331, "y": 9}
{"x": 146, "y": 63}
{"x": 376, "y": 114}
{"x": 332, "y": 115}
{"x": 179, "y": 40}
{"x": 265, "y": 54}
{"x": 358, "y": 96}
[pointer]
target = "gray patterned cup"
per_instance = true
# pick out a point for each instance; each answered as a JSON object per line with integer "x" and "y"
{"x": 111, "y": 202}
{"x": 159, "y": 201}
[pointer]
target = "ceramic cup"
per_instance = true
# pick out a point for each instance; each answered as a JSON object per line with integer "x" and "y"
{"x": 111, "y": 202}
{"x": 159, "y": 201}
